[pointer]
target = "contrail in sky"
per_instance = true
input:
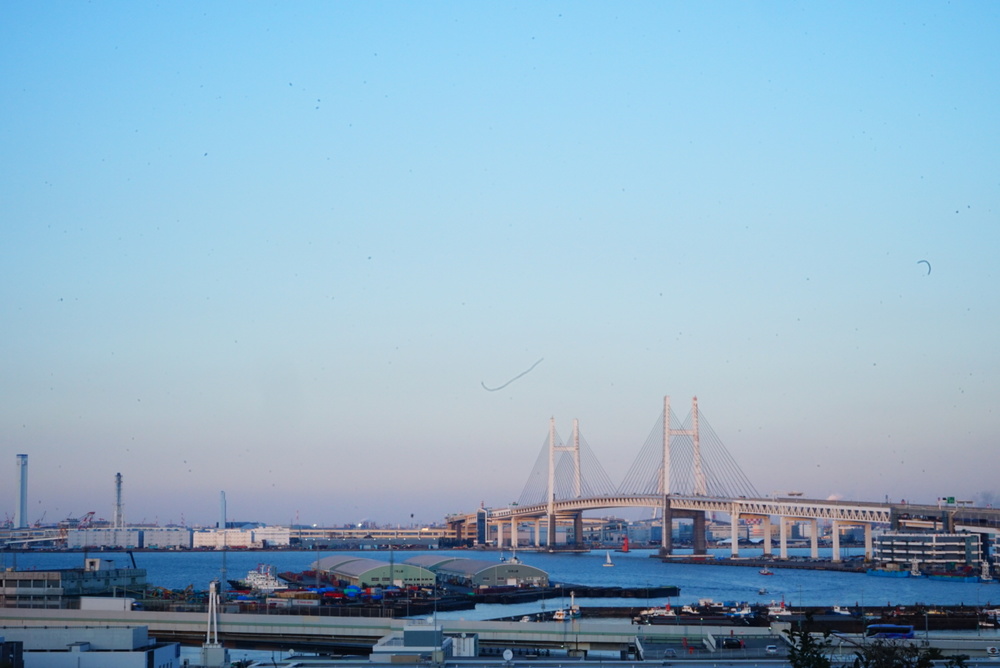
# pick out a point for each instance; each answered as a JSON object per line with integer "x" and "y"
{"x": 494, "y": 389}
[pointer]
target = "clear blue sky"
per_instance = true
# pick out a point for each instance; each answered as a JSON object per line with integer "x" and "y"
{"x": 275, "y": 248}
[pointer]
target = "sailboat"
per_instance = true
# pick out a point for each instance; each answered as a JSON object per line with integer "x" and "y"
{"x": 607, "y": 559}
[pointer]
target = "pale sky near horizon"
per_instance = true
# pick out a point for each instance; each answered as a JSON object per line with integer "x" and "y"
{"x": 277, "y": 249}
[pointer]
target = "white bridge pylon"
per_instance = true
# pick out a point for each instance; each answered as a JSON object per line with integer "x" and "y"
{"x": 707, "y": 493}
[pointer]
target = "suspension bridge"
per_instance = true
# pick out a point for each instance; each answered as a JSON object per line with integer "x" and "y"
{"x": 683, "y": 471}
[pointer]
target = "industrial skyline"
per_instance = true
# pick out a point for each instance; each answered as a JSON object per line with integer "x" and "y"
{"x": 346, "y": 261}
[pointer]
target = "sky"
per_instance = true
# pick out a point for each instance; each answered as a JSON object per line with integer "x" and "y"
{"x": 281, "y": 250}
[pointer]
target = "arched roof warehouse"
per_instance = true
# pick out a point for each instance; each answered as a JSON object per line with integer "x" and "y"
{"x": 364, "y": 572}
{"x": 481, "y": 573}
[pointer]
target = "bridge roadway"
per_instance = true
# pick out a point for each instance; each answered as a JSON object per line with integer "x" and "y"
{"x": 785, "y": 509}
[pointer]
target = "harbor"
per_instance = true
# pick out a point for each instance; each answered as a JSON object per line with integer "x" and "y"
{"x": 611, "y": 602}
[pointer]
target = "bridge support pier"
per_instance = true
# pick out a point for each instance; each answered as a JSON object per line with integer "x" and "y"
{"x": 550, "y": 535}
{"x": 734, "y": 531}
{"x": 766, "y": 528}
{"x": 699, "y": 540}
{"x": 538, "y": 532}
{"x": 835, "y": 537}
{"x": 667, "y": 528}
{"x": 782, "y": 537}
{"x": 578, "y": 529}
{"x": 814, "y": 539}
{"x": 868, "y": 542}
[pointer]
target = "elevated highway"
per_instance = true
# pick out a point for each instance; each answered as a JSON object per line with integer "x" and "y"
{"x": 766, "y": 509}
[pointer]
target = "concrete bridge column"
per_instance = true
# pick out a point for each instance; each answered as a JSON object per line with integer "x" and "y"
{"x": 814, "y": 540}
{"x": 550, "y": 539}
{"x": 782, "y": 537}
{"x": 538, "y": 532}
{"x": 698, "y": 539}
{"x": 513, "y": 533}
{"x": 868, "y": 542}
{"x": 500, "y": 534}
{"x": 578, "y": 529}
{"x": 766, "y": 528}
{"x": 667, "y": 539}
{"x": 836, "y": 541}
{"x": 734, "y": 531}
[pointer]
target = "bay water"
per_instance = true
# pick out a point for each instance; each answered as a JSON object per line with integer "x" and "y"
{"x": 637, "y": 569}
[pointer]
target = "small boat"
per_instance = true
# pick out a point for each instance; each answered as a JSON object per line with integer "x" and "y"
{"x": 762, "y": 591}
{"x": 566, "y": 614}
{"x": 655, "y": 615}
{"x": 607, "y": 559}
{"x": 766, "y": 571}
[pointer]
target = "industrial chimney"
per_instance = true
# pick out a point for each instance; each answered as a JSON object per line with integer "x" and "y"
{"x": 21, "y": 513}
{"x": 119, "y": 517}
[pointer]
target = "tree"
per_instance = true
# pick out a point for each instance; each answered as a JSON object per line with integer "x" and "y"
{"x": 886, "y": 653}
{"x": 807, "y": 650}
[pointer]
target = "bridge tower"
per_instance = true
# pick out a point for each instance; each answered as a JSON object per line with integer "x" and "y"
{"x": 574, "y": 449}
{"x": 700, "y": 484}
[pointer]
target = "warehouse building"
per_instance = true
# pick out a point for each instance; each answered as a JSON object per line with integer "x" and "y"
{"x": 162, "y": 538}
{"x": 479, "y": 573}
{"x": 362, "y": 572}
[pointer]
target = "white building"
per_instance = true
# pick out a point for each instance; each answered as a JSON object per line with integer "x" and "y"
{"x": 92, "y": 647}
{"x": 214, "y": 539}
{"x": 272, "y": 536}
{"x": 256, "y": 538}
{"x": 167, "y": 538}
{"x": 931, "y": 551}
{"x": 103, "y": 537}
{"x": 129, "y": 538}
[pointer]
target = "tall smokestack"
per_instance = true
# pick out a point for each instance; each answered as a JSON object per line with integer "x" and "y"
{"x": 21, "y": 513}
{"x": 222, "y": 528}
{"x": 119, "y": 517}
